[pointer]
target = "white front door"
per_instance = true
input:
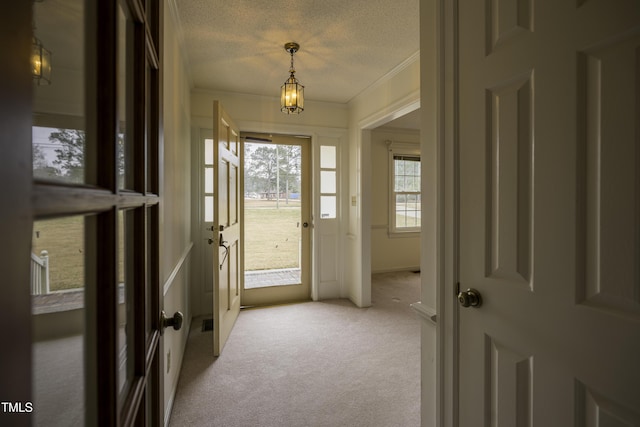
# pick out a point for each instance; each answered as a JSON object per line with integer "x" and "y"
{"x": 226, "y": 259}
{"x": 549, "y": 212}
{"x": 277, "y": 219}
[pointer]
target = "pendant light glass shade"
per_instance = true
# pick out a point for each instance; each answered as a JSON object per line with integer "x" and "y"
{"x": 40, "y": 63}
{"x": 292, "y": 92}
{"x": 292, "y": 96}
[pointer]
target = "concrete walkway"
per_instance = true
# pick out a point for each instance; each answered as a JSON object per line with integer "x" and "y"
{"x": 266, "y": 278}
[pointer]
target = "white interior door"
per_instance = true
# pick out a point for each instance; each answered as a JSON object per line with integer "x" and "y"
{"x": 226, "y": 259}
{"x": 549, "y": 212}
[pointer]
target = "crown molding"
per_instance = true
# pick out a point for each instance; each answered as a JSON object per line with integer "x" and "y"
{"x": 415, "y": 57}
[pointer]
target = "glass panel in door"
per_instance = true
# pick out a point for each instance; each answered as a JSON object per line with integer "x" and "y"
{"x": 272, "y": 214}
{"x": 277, "y": 219}
{"x": 58, "y": 318}
{"x": 57, "y": 62}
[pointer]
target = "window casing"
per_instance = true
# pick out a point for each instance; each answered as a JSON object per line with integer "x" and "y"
{"x": 404, "y": 189}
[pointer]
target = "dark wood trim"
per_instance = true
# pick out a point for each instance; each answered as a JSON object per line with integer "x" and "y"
{"x": 101, "y": 36}
{"x": 154, "y": 288}
{"x": 104, "y": 129}
{"x": 137, "y": 11}
{"x": 152, "y": 54}
{"x": 106, "y": 316}
{"x": 53, "y": 200}
{"x": 15, "y": 209}
{"x": 132, "y": 406}
{"x": 139, "y": 110}
{"x": 153, "y": 132}
{"x": 152, "y": 347}
{"x": 155, "y": 381}
{"x": 139, "y": 290}
{"x": 156, "y": 375}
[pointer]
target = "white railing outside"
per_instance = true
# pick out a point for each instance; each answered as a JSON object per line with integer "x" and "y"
{"x": 40, "y": 273}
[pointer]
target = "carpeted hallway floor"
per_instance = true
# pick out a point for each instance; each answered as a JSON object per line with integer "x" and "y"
{"x": 323, "y": 363}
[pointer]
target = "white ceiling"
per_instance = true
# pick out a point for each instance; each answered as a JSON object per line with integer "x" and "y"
{"x": 345, "y": 45}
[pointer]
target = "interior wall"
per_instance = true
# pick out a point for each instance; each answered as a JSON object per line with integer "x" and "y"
{"x": 391, "y": 97}
{"x": 175, "y": 206}
{"x": 389, "y": 253}
{"x": 249, "y": 111}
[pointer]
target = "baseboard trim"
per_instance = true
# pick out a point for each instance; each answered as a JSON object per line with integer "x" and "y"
{"x": 395, "y": 270}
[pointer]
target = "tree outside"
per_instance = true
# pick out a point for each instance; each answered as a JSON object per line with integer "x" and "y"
{"x": 272, "y": 206}
{"x": 59, "y": 154}
{"x": 272, "y": 171}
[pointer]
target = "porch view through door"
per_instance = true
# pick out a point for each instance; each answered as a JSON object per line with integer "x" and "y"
{"x": 276, "y": 219}
{"x": 257, "y": 220}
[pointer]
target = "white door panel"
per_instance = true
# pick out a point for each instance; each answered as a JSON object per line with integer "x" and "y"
{"x": 549, "y": 212}
{"x": 226, "y": 271}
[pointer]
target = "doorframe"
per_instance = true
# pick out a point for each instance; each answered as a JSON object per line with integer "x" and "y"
{"x": 365, "y": 126}
{"x": 317, "y": 134}
{"x": 306, "y": 214}
{"x": 200, "y": 125}
{"x": 447, "y": 84}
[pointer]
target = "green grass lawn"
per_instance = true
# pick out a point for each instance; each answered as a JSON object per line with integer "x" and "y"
{"x": 64, "y": 240}
{"x": 271, "y": 235}
{"x": 271, "y": 241}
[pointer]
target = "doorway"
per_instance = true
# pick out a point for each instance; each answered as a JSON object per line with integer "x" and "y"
{"x": 396, "y": 202}
{"x": 277, "y": 219}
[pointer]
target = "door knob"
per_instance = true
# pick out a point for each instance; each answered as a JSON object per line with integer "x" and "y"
{"x": 305, "y": 224}
{"x": 175, "y": 322}
{"x": 470, "y": 298}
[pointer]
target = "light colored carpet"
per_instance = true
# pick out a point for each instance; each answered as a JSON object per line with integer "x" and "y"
{"x": 323, "y": 363}
{"x": 58, "y": 382}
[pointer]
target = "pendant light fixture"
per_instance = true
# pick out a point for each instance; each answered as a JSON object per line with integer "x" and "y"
{"x": 40, "y": 57}
{"x": 40, "y": 63}
{"x": 292, "y": 92}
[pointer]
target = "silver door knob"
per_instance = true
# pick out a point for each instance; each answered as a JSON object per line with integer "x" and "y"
{"x": 470, "y": 298}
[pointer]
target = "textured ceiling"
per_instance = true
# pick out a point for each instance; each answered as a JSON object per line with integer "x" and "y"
{"x": 345, "y": 45}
